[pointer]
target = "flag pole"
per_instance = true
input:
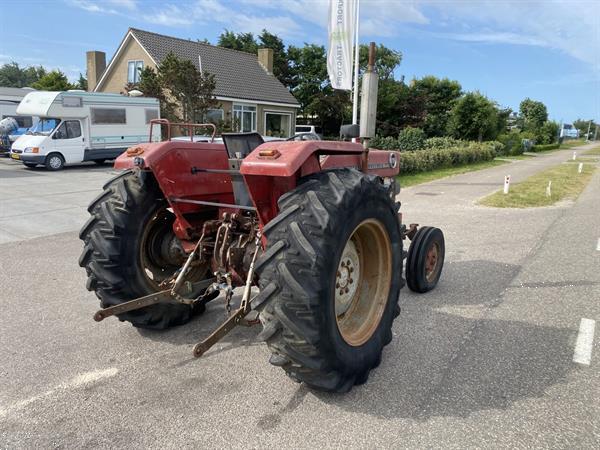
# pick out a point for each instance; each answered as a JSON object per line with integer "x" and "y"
{"x": 356, "y": 56}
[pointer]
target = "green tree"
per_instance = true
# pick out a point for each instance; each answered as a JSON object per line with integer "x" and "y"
{"x": 185, "y": 92}
{"x": 309, "y": 64}
{"x": 244, "y": 42}
{"x": 398, "y": 107}
{"x": 439, "y": 96}
{"x": 547, "y": 133}
{"x": 474, "y": 117}
{"x": 533, "y": 114}
{"x": 53, "y": 81}
{"x": 281, "y": 65}
{"x": 11, "y": 75}
{"x": 584, "y": 125}
{"x": 386, "y": 60}
{"x": 82, "y": 83}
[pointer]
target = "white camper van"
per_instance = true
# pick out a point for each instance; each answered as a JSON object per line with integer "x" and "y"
{"x": 77, "y": 126}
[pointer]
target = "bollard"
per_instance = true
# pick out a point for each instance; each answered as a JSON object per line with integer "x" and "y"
{"x": 574, "y": 156}
{"x": 580, "y": 169}
{"x": 549, "y": 189}
{"x": 506, "y": 184}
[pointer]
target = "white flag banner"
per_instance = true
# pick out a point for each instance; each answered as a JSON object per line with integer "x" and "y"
{"x": 342, "y": 20}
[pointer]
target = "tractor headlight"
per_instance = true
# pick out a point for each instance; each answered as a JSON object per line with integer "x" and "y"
{"x": 31, "y": 150}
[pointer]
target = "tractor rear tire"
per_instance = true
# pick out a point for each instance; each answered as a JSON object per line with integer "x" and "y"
{"x": 330, "y": 279}
{"x": 116, "y": 251}
{"x": 425, "y": 259}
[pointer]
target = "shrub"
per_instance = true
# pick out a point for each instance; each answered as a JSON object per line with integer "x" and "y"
{"x": 513, "y": 143}
{"x": 496, "y": 147}
{"x": 384, "y": 143}
{"x": 415, "y": 161}
{"x": 411, "y": 139}
{"x": 544, "y": 148}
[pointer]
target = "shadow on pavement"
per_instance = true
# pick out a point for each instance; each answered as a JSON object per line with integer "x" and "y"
{"x": 441, "y": 363}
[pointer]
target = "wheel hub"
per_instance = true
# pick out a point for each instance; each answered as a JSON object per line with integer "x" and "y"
{"x": 362, "y": 282}
{"x": 54, "y": 162}
{"x": 431, "y": 261}
{"x": 347, "y": 278}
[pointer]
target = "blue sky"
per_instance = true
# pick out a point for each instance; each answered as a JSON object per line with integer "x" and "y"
{"x": 508, "y": 50}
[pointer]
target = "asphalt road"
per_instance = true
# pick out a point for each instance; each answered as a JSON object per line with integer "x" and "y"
{"x": 485, "y": 360}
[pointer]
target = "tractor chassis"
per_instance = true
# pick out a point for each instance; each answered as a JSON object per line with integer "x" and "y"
{"x": 222, "y": 283}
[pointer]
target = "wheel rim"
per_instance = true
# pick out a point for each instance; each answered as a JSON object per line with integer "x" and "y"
{"x": 158, "y": 257}
{"x": 431, "y": 261}
{"x": 55, "y": 162}
{"x": 362, "y": 283}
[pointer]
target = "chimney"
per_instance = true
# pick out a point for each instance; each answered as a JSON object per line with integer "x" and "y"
{"x": 265, "y": 58}
{"x": 96, "y": 63}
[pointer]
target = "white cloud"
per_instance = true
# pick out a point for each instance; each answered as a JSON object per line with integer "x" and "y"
{"x": 131, "y": 5}
{"x": 93, "y": 7}
{"x": 559, "y": 25}
{"x": 169, "y": 15}
{"x": 554, "y": 24}
{"x": 240, "y": 20}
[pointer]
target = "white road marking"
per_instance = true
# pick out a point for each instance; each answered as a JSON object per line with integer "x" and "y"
{"x": 78, "y": 381}
{"x": 90, "y": 377}
{"x": 598, "y": 245}
{"x": 585, "y": 342}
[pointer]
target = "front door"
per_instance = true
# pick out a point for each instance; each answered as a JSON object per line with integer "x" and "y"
{"x": 68, "y": 141}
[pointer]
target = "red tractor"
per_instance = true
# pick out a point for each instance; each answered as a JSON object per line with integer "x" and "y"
{"x": 314, "y": 225}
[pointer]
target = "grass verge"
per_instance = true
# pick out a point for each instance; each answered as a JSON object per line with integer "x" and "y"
{"x": 423, "y": 177}
{"x": 572, "y": 143}
{"x": 516, "y": 157}
{"x": 594, "y": 151}
{"x": 566, "y": 184}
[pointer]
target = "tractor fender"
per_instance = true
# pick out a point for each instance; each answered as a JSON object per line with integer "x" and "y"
{"x": 275, "y": 168}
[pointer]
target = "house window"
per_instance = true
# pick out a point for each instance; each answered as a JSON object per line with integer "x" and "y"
{"x": 278, "y": 124}
{"x": 108, "y": 116}
{"x": 134, "y": 69}
{"x": 244, "y": 118}
{"x": 151, "y": 114}
{"x": 213, "y": 116}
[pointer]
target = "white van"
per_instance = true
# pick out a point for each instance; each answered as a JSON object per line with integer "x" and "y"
{"x": 78, "y": 126}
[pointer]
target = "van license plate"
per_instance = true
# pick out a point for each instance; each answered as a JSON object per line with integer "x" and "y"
{"x": 15, "y": 156}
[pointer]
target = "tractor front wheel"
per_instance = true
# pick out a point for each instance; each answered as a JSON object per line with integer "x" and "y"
{"x": 330, "y": 279}
{"x": 425, "y": 259}
{"x": 130, "y": 249}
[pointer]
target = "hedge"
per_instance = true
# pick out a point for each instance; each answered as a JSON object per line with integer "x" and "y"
{"x": 424, "y": 161}
{"x": 544, "y": 148}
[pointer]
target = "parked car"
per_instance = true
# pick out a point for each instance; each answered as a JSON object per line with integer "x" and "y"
{"x": 78, "y": 126}
{"x": 302, "y": 129}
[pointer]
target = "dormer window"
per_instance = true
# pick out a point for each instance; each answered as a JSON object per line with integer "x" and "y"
{"x": 134, "y": 70}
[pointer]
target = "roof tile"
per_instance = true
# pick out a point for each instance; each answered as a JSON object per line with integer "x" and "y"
{"x": 237, "y": 74}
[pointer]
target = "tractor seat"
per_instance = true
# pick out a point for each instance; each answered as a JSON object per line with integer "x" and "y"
{"x": 240, "y": 145}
